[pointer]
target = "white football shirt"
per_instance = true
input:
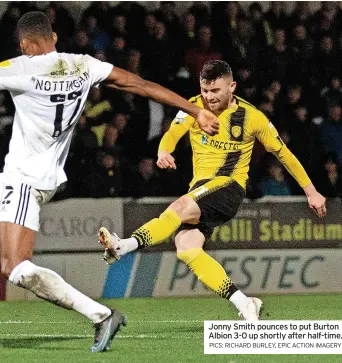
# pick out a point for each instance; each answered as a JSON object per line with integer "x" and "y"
{"x": 49, "y": 93}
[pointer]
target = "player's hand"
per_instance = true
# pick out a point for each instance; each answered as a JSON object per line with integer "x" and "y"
{"x": 208, "y": 122}
{"x": 317, "y": 204}
{"x": 166, "y": 160}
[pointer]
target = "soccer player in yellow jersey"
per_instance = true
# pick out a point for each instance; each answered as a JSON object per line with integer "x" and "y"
{"x": 220, "y": 164}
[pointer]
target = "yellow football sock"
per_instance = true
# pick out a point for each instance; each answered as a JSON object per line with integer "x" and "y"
{"x": 158, "y": 229}
{"x": 208, "y": 271}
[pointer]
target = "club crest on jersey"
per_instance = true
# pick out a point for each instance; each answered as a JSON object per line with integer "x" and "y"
{"x": 236, "y": 131}
{"x": 204, "y": 140}
{"x": 6, "y": 63}
{"x": 180, "y": 117}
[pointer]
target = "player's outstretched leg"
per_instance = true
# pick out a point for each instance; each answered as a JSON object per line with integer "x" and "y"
{"x": 155, "y": 231}
{"x": 48, "y": 285}
{"x": 189, "y": 245}
{"x": 16, "y": 250}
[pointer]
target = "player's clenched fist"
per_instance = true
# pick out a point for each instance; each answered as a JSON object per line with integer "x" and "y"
{"x": 316, "y": 200}
{"x": 317, "y": 203}
{"x": 166, "y": 160}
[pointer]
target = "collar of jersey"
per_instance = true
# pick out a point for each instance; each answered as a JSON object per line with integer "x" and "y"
{"x": 227, "y": 110}
{"x": 230, "y": 109}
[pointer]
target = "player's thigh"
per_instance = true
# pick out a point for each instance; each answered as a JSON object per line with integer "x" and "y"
{"x": 187, "y": 209}
{"x": 16, "y": 245}
{"x": 19, "y": 204}
{"x": 19, "y": 221}
{"x": 188, "y": 206}
{"x": 219, "y": 201}
{"x": 187, "y": 239}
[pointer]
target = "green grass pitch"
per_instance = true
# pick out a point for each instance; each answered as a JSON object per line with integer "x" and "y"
{"x": 159, "y": 330}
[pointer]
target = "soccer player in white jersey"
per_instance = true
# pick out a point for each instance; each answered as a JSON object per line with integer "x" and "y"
{"x": 49, "y": 90}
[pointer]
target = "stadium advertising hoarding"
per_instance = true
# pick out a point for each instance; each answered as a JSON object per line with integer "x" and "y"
{"x": 162, "y": 274}
{"x": 274, "y": 247}
{"x": 84, "y": 271}
{"x": 254, "y": 271}
{"x": 270, "y": 223}
{"x": 73, "y": 224}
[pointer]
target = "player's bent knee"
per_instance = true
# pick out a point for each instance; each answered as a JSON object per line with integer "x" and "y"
{"x": 189, "y": 255}
{"x": 186, "y": 208}
{"x": 189, "y": 239}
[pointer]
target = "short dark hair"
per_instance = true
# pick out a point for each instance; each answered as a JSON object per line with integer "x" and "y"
{"x": 34, "y": 24}
{"x": 215, "y": 69}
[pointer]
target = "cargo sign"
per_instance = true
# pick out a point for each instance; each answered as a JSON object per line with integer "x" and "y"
{"x": 73, "y": 224}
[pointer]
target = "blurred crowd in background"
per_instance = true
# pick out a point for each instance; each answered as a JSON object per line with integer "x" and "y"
{"x": 287, "y": 65}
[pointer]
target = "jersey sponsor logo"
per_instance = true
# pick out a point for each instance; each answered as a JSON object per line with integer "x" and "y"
{"x": 180, "y": 117}
{"x": 6, "y": 63}
{"x": 204, "y": 140}
{"x": 60, "y": 69}
{"x": 236, "y": 131}
{"x": 78, "y": 69}
{"x": 221, "y": 145}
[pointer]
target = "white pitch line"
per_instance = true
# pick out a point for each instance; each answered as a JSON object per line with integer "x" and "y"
{"x": 129, "y": 321}
{"x": 71, "y": 336}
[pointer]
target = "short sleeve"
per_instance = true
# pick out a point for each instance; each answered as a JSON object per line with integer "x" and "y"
{"x": 266, "y": 133}
{"x": 99, "y": 70}
{"x": 11, "y": 78}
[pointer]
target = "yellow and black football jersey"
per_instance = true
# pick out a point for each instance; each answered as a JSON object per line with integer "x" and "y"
{"x": 229, "y": 152}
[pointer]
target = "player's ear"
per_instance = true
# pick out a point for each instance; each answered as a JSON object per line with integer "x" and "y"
{"x": 233, "y": 86}
{"x": 23, "y": 44}
{"x": 55, "y": 38}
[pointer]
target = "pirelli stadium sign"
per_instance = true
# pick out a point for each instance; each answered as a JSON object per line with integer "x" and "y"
{"x": 268, "y": 223}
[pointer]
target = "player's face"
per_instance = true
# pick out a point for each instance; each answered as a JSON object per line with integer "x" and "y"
{"x": 218, "y": 93}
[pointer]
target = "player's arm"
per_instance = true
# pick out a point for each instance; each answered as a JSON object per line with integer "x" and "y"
{"x": 268, "y": 136}
{"x": 11, "y": 77}
{"x": 179, "y": 127}
{"x": 130, "y": 82}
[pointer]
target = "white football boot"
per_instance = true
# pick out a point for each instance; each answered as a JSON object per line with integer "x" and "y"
{"x": 252, "y": 309}
{"x": 109, "y": 241}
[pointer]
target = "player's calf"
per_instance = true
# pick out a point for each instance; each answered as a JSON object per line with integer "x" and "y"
{"x": 212, "y": 274}
{"x": 156, "y": 231}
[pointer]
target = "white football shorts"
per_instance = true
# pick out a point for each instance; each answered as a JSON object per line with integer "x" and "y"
{"x": 20, "y": 203}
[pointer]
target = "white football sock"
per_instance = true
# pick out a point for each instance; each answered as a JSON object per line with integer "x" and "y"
{"x": 239, "y": 299}
{"x": 126, "y": 245}
{"x": 48, "y": 285}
